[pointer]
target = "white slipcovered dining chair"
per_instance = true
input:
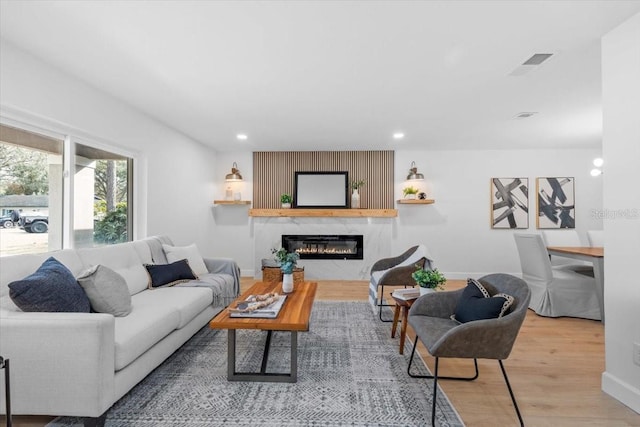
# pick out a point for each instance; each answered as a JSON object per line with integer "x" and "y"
{"x": 555, "y": 291}
{"x": 566, "y": 237}
{"x": 596, "y": 238}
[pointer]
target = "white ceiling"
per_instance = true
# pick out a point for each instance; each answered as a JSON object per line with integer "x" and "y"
{"x": 339, "y": 75}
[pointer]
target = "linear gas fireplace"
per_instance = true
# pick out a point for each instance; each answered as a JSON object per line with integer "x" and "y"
{"x": 331, "y": 246}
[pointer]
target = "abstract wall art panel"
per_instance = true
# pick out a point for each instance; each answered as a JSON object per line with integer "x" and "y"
{"x": 509, "y": 203}
{"x": 555, "y": 202}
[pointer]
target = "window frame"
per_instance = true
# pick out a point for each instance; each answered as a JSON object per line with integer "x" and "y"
{"x": 136, "y": 224}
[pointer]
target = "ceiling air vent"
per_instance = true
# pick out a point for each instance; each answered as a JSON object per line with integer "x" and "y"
{"x": 537, "y": 59}
{"x": 525, "y": 115}
{"x": 534, "y": 61}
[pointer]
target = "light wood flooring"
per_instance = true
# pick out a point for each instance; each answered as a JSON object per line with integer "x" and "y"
{"x": 554, "y": 369}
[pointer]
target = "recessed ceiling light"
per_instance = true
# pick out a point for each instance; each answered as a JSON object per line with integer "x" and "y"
{"x": 242, "y": 137}
{"x": 398, "y": 135}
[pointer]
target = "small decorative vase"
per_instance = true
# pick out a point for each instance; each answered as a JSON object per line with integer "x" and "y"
{"x": 286, "y": 205}
{"x": 410, "y": 196}
{"x": 424, "y": 291}
{"x": 355, "y": 199}
{"x": 287, "y": 283}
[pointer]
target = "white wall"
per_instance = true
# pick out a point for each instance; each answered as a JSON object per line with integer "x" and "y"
{"x": 621, "y": 148}
{"x": 175, "y": 174}
{"x": 456, "y": 228}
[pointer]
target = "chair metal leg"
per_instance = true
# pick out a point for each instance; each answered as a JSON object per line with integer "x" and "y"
{"x": 413, "y": 351}
{"x": 381, "y": 304}
{"x": 513, "y": 398}
{"x": 435, "y": 390}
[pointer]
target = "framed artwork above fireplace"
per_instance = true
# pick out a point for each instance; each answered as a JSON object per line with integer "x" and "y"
{"x": 321, "y": 190}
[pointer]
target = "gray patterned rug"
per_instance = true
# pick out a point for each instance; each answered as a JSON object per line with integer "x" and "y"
{"x": 350, "y": 373}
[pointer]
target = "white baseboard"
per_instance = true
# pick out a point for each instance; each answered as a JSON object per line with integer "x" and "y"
{"x": 622, "y": 391}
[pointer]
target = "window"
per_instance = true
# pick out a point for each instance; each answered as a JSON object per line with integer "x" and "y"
{"x": 101, "y": 197}
{"x": 31, "y": 184}
{"x": 97, "y": 208}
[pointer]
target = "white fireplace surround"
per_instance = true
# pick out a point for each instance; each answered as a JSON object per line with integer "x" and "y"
{"x": 377, "y": 232}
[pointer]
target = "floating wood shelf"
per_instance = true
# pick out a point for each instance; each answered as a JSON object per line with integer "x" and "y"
{"x": 326, "y": 213}
{"x": 232, "y": 202}
{"x": 415, "y": 201}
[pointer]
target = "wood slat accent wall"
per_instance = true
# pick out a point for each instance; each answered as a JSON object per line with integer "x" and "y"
{"x": 274, "y": 174}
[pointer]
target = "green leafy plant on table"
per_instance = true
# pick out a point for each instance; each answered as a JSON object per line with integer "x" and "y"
{"x": 286, "y": 259}
{"x": 431, "y": 279}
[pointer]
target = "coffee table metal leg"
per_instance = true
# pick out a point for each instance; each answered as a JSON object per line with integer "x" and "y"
{"x": 233, "y": 375}
{"x": 231, "y": 353}
{"x": 294, "y": 356}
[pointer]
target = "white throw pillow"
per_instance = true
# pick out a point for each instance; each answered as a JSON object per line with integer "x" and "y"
{"x": 190, "y": 253}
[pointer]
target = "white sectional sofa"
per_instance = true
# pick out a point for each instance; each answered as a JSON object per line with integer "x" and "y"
{"x": 79, "y": 364}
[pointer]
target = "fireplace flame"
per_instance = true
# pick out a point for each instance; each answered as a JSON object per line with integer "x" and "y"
{"x": 324, "y": 251}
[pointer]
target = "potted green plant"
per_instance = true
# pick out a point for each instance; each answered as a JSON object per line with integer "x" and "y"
{"x": 410, "y": 192}
{"x": 288, "y": 261}
{"x": 428, "y": 280}
{"x": 285, "y": 200}
{"x": 355, "y": 195}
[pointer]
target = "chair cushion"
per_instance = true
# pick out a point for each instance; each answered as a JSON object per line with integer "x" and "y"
{"x": 51, "y": 288}
{"x": 107, "y": 290}
{"x": 476, "y": 303}
{"x": 169, "y": 274}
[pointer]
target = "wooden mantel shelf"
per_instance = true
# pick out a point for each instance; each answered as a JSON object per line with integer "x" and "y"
{"x": 415, "y": 201}
{"x": 326, "y": 213}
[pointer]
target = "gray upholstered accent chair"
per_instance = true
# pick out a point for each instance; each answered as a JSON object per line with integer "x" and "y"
{"x": 397, "y": 271}
{"x": 430, "y": 318}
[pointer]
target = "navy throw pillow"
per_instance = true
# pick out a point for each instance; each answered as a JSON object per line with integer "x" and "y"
{"x": 51, "y": 288}
{"x": 169, "y": 274}
{"x": 476, "y": 303}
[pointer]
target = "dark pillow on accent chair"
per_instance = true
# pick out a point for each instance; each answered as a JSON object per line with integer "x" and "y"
{"x": 161, "y": 275}
{"x": 51, "y": 288}
{"x": 476, "y": 303}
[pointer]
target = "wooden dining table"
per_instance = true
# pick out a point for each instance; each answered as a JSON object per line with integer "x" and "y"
{"x": 594, "y": 255}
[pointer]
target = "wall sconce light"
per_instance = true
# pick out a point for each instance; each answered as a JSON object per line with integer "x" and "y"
{"x": 234, "y": 176}
{"x": 597, "y": 171}
{"x": 413, "y": 173}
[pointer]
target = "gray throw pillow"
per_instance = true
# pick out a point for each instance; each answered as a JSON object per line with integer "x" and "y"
{"x": 107, "y": 290}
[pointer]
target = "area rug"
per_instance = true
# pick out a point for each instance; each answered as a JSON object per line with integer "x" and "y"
{"x": 350, "y": 373}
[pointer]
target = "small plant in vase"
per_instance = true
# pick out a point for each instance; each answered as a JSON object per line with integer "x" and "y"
{"x": 288, "y": 261}
{"x": 285, "y": 200}
{"x": 355, "y": 195}
{"x": 428, "y": 279}
{"x": 410, "y": 192}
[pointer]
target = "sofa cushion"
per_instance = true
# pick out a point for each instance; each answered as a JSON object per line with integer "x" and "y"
{"x": 107, "y": 290}
{"x": 155, "y": 315}
{"x": 222, "y": 287}
{"x": 122, "y": 258}
{"x": 144, "y": 327}
{"x": 190, "y": 253}
{"x": 476, "y": 303}
{"x": 50, "y": 288}
{"x": 162, "y": 275}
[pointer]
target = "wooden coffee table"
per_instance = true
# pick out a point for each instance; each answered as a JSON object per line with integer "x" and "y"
{"x": 293, "y": 317}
